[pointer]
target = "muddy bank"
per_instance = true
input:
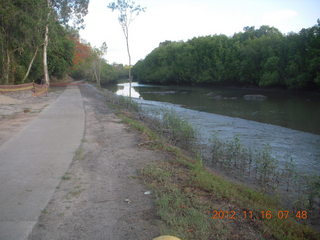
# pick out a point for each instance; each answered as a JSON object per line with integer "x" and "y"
{"x": 285, "y": 143}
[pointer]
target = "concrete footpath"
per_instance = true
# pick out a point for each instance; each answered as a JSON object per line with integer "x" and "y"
{"x": 33, "y": 162}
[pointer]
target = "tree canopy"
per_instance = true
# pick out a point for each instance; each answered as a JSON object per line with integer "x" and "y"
{"x": 88, "y": 63}
{"x": 23, "y": 26}
{"x": 261, "y": 57}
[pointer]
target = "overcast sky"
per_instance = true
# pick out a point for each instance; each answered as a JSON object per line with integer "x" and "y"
{"x": 184, "y": 19}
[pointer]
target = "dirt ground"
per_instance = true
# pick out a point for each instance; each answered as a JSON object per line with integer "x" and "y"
{"x": 100, "y": 197}
{"x": 18, "y": 108}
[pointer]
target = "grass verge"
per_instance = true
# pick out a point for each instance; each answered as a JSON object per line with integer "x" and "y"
{"x": 195, "y": 203}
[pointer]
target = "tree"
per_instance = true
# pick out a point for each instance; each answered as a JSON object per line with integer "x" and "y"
{"x": 261, "y": 57}
{"x": 88, "y": 63}
{"x": 97, "y": 63}
{"x": 24, "y": 37}
{"x": 63, "y": 11}
{"x": 127, "y": 10}
{"x": 60, "y": 51}
{"x": 20, "y": 34}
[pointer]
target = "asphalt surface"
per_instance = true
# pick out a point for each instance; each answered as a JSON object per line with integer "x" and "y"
{"x": 33, "y": 162}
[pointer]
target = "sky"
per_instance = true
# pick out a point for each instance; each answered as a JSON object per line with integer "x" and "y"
{"x": 178, "y": 20}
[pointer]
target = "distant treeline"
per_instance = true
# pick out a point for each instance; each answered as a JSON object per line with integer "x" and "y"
{"x": 261, "y": 57}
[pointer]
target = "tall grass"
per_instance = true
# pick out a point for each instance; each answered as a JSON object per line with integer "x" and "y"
{"x": 177, "y": 130}
{"x": 121, "y": 102}
{"x": 260, "y": 166}
{"x": 296, "y": 190}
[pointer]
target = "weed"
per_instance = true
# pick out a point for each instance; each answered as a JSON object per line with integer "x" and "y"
{"x": 66, "y": 177}
{"x": 266, "y": 169}
{"x": 289, "y": 173}
{"x": 128, "y": 104}
{"x": 79, "y": 154}
{"x": 75, "y": 193}
{"x": 44, "y": 211}
{"x": 177, "y": 130}
{"x": 121, "y": 102}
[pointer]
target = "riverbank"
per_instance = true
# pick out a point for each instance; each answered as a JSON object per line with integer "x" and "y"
{"x": 102, "y": 195}
{"x": 278, "y": 159}
{"x": 191, "y": 197}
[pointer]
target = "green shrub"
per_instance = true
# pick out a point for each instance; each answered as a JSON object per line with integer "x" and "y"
{"x": 179, "y": 131}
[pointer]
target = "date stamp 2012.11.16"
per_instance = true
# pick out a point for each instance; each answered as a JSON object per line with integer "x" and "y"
{"x": 267, "y": 214}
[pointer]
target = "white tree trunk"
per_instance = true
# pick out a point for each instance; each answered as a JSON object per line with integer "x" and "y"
{"x": 45, "y": 47}
{"x": 99, "y": 72}
{"x": 7, "y": 68}
{"x": 130, "y": 77}
{"x": 30, "y": 65}
{"x": 126, "y": 34}
{"x": 45, "y": 63}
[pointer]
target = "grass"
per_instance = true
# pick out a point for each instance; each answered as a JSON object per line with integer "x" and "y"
{"x": 187, "y": 193}
{"x": 79, "y": 154}
{"x": 66, "y": 177}
{"x": 74, "y": 193}
{"x": 44, "y": 211}
{"x": 232, "y": 156}
{"x": 264, "y": 170}
{"x": 177, "y": 131}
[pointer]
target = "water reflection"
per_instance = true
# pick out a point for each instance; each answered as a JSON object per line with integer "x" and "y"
{"x": 124, "y": 90}
{"x": 299, "y": 111}
{"x": 296, "y": 111}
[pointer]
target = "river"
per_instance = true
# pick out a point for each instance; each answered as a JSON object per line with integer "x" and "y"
{"x": 288, "y": 122}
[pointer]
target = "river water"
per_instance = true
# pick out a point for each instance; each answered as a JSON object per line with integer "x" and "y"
{"x": 288, "y": 122}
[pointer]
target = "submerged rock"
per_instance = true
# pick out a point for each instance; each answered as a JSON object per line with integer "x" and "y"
{"x": 214, "y": 96}
{"x": 255, "y": 97}
{"x": 219, "y": 97}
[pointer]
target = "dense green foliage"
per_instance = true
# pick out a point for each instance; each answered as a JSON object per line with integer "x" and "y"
{"x": 22, "y": 30}
{"x": 60, "y": 52}
{"x": 109, "y": 73}
{"x": 22, "y": 38}
{"x": 261, "y": 57}
{"x": 20, "y": 27}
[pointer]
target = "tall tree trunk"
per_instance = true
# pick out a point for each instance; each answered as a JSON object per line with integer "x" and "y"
{"x": 94, "y": 68}
{"x": 126, "y": 34}
{"x": 7, "y": 68}
{"x": 30, "y": 65}
{"x": 45, "y": 47}
{"x": 99, "y": 73}
{"x": 2, "y": 63}
{"x": 45, "y": 63}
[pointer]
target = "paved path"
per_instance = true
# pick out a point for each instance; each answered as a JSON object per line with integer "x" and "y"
{"x": 33, "y": 162}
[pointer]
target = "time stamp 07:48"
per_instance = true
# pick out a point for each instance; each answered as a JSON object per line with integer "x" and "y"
{"x": 282, "y": 214}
